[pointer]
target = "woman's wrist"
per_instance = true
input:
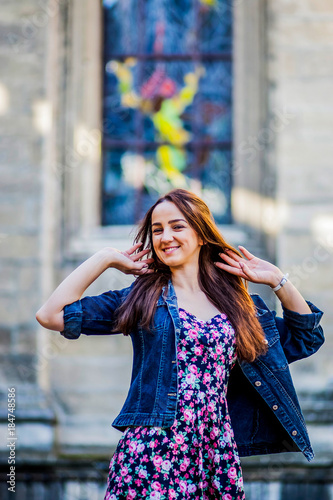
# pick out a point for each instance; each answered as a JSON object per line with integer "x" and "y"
{"x": 276, "y": 280}
{"x": 282, "y": 282}
{"x": 108, "y": 256}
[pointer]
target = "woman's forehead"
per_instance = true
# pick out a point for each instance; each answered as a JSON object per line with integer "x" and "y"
{"x": 166, "y": 209}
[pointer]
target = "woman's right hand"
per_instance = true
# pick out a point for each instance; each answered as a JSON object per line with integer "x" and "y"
{"x": 128, "y": 261}
{"x": 50, "y": 315}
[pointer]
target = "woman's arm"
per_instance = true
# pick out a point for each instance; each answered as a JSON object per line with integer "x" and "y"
{"x": 260, "y": 271}
{"x": 290, "y": 297}
{"x": 50, "y": 315}
{"x": 300, "y": 332}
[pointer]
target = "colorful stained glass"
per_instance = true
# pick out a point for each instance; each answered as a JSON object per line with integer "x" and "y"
{"x": 167, "y": 104}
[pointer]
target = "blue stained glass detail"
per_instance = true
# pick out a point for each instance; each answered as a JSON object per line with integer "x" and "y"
{"x": 170, "y": 26}
{"x": 120, "y": 26}
{"x": 215, "y": 101}
{"x": 109, "y": 3}
{"x": 215, "y": 28}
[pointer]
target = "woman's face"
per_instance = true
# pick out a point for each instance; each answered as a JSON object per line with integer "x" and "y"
{"x": 174, "y": 240}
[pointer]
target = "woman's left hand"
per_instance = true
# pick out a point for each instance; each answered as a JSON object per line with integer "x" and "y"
{"x": 250, "y": 268}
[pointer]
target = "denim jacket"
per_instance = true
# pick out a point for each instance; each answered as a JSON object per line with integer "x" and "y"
{"x": 265, "y": 413}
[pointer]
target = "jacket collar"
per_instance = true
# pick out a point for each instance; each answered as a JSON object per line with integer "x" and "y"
{"x": 168, "y": 293}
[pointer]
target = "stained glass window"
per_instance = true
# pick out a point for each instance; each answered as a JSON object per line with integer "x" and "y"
{"x": 167, "y": 110}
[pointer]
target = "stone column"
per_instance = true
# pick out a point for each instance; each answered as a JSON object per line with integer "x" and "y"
{"x": 28, "y": 214}
{"x": 300, "y": 74}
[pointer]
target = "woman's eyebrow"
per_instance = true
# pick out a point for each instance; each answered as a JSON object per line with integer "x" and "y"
{"x": 169, "y": 222}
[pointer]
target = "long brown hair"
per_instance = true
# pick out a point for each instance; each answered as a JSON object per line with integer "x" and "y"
{"x": 226, "y": 291}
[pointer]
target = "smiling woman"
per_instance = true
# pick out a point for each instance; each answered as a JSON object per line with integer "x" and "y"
{"x": 174, "y": 237}
{"x": 208, "y": 356}
{"x": 187, "y": 252}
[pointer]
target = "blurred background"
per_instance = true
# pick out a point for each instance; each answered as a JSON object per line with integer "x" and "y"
{"x": 104, "y": 106}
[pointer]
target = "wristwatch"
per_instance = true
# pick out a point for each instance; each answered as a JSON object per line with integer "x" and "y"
{"x": 282, "y": 282}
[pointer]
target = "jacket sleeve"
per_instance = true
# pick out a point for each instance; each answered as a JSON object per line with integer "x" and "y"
{"x": 301, "y": 334}
{"x": 92, "y": 315}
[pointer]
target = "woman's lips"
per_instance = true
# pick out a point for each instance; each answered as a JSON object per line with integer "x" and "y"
{"x": 170, "y": 250}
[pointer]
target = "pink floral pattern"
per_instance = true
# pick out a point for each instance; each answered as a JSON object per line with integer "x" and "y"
{"x": 196, "y": 458}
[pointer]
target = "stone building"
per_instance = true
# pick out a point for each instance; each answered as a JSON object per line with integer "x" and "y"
{"x": 51, "y": 205}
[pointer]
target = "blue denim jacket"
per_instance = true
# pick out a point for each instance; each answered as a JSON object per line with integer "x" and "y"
{"x": 265, "y": 413}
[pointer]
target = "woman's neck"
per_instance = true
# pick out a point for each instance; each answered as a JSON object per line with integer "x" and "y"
{"x": 190, "y": 296}
{"x": 185, "y": 280}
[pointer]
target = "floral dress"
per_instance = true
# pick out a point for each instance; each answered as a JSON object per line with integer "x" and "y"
{"x": 196, "y": 458}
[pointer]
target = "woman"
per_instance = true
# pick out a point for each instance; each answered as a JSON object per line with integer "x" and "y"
{"x": 195, "y": 331}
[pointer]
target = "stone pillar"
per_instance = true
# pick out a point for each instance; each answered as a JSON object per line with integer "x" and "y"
{"x": 300, "y": 73}
{"x": 28, "y": 218}
{"x": 300, "y": 76}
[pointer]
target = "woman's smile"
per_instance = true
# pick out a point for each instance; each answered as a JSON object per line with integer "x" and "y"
{"x": 174, "y": 237}
{"x": 170, "y": 250}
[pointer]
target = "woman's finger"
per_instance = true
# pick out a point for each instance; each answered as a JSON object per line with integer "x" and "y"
{"x": 144, "y": 270}
{"x": 232, "y": 254}
{"x": 138, "y": 256}
{"x": 247, "y": 271}
{"x": 247, "y": 254}
{"x": 233, "y": 270}
{"x": 229, "y": 259}
{"x": 148, "y": 261}
{"x": 133, "y": 248}
{"x": 142, "y": 264}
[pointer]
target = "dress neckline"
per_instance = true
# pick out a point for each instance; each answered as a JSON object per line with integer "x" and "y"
{"x": 198, "y": 319}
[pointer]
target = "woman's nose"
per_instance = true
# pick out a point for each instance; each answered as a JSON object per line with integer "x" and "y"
{"x": 166, "y": 236}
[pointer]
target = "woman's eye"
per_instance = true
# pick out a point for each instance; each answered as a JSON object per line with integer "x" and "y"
{"x": 174, "y": 227}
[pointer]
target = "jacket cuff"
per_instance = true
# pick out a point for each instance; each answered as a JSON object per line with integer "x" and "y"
{"x": 308, "y": 321}
{"x": 72, "y": 320}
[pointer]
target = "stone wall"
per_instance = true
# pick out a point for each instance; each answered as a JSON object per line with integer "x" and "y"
{"x": 26, "y": 135}
{"x": 22, "y": 94}
{"x": 300, "y": 75}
